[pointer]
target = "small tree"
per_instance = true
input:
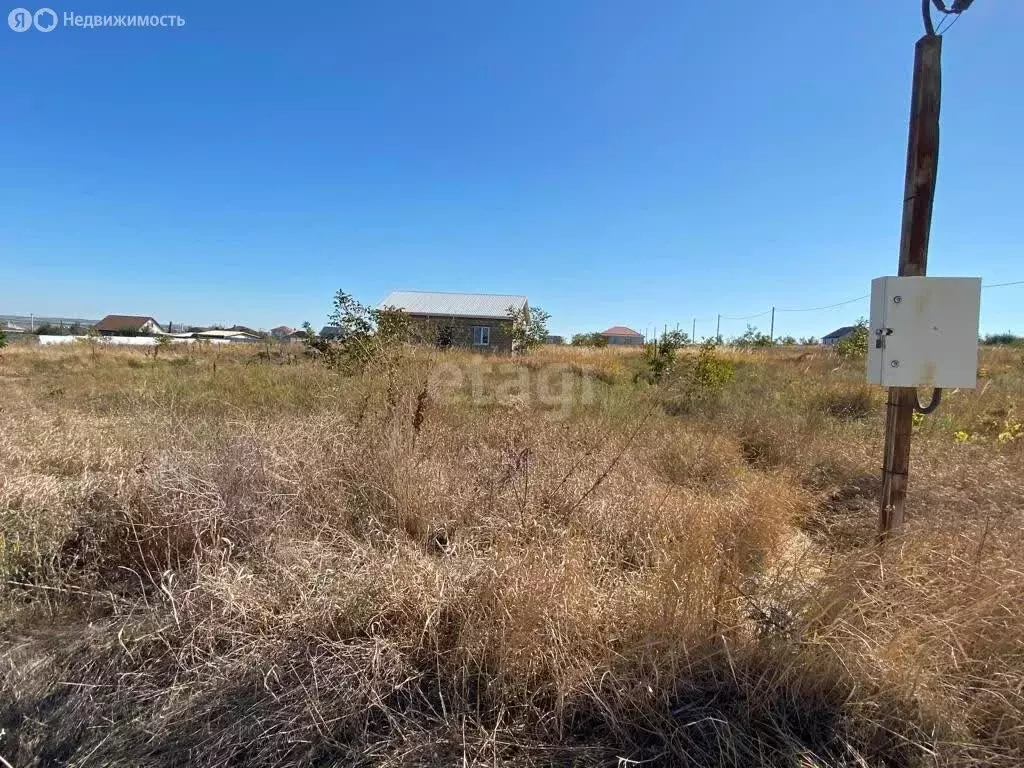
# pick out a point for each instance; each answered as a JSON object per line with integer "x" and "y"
{"x": 753, "y": 338}
{"x": 660, "y": 356}
{"x": 856, "y": 342}
{"x": 90, "y": 339}
{"x": 787, "y": 341}
{"x": 809, "y": 341}
{"x": 363, "y": 335}
{"x": 676, "y": 338}
{"x": 3, "y": 338}
{"x": 528, "y": 329}
{"x": 162, "y": 342}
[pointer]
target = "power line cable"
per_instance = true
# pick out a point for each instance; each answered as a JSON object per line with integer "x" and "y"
{"x": 830, "y": 306}
{"x": 955, "y": 18}
{"x": 957, "y": 8}
{"x": 747, "y": 317}
{"x": 827, "y": 306}
{"x": 868, "y": 295}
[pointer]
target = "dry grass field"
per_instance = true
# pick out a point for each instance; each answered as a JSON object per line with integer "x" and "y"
{"x": 222, "y": 558}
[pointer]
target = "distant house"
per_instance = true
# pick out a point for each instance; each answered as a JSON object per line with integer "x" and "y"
{"x": 127, "y": 325}
{"x": 838, "y": 335}
{"x": 620, "y": 336}
{"x": 287, "y": 334}
{"x": 478, "y": 321}
{"x": 554, "y": 340}
{"x": 15, "y": 332}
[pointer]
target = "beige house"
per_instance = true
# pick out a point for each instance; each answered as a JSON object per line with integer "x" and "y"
{"x": 619, "y": 336}
{"x": 478, "y": 321}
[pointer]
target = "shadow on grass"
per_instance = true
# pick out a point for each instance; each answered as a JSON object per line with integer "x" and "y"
{"x": 360, "y": 702}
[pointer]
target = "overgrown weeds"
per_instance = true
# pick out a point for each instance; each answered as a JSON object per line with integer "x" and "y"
{"x": 236, "y": 562}
{"x": 857, "y": 402}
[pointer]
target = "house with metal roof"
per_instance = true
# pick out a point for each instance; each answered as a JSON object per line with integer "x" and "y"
{"x": 838, "y": 335}
{"x": 128, "y": 325}
{"x": 478, "y": 321}
{"x": 620, "y": 335}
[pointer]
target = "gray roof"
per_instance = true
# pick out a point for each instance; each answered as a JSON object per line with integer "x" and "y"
{"x": 839, "y": 332}
{"x": 453, "y": 304}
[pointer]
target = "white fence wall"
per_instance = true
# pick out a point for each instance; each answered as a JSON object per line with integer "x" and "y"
{"x": 120, "y": 341}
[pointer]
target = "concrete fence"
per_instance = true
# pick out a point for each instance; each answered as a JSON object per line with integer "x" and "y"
{"x": 120, "y": 341}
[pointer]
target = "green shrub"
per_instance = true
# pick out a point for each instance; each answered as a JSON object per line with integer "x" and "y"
{"x": 660, "y": 356}
{"x": 365, "y": 335}
{"x": 702, "y": 382}
{"x": 589, "y": 340}
{"x": 752, "y": 337}
{"x": 528, "y": 329}
{"x": 711, "y": 373}
{"x": 856, "y": 344}
{"x": 1003, "y": 339}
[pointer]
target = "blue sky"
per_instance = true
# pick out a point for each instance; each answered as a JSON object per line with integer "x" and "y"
{"x": 618, "y": 162}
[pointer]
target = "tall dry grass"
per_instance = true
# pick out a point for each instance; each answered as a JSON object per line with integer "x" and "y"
{"x": 224, "y": 558}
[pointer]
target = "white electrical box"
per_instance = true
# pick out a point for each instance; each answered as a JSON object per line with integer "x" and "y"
{"x": 924, "y": 331}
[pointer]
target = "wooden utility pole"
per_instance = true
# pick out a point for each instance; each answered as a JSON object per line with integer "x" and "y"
{"x": 918, "y": 195}
{"x": 718, "y": 329}
{"x": 771, "y": 333}
{"x": 693, "y": 333}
